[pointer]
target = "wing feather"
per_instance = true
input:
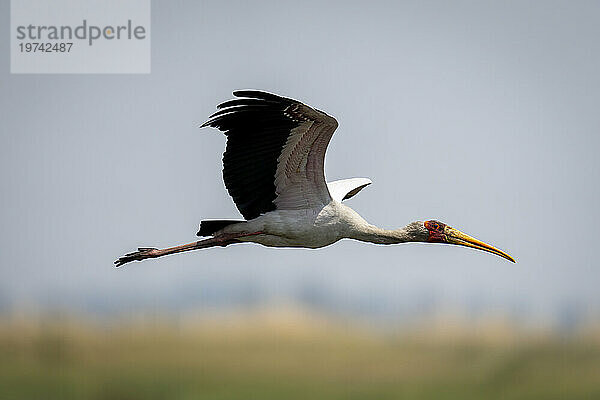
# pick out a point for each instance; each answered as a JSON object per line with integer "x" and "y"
{"x": 275, "y": 152}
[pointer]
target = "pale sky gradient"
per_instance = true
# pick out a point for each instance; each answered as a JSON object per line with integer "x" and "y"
{"x": 484, "y": 115}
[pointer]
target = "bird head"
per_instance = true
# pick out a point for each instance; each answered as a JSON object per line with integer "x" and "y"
{"x": 442, "y": 233}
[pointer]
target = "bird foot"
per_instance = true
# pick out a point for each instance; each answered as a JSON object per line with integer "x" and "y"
{"x": 142, "y": 254}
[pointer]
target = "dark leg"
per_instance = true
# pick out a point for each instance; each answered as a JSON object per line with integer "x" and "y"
{"x": 150, "y": 252}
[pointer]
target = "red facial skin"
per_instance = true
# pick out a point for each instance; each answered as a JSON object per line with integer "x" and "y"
{"x": 436, "y": 231}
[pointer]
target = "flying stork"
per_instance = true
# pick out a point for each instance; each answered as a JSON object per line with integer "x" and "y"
{"x": 273, "y": 170}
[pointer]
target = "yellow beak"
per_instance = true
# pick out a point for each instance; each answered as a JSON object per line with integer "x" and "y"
{"x": 454, "y": 236}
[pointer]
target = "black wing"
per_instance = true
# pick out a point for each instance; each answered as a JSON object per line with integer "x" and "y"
{"x": 258, "y": 126}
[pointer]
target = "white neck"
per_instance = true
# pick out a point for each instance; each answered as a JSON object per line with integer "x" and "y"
{"x": 372, "y": 234}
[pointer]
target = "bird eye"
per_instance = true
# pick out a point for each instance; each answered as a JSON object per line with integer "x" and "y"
{"x": 435, "y": 226}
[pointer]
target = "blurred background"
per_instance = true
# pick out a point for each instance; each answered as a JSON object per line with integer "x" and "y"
{"x": 483, "y": 115}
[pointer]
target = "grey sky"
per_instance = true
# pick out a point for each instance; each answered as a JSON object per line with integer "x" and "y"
{"x": 483, "y": 115}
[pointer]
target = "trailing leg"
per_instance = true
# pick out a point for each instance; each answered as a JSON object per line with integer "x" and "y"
{"x": 151, "y": 252}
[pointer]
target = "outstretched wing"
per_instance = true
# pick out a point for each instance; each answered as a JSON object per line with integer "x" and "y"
{"x": 275, "y": 152}
{"x": 346, "y": 188}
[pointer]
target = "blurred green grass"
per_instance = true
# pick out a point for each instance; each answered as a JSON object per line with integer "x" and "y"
{"x": 290, "y": 358}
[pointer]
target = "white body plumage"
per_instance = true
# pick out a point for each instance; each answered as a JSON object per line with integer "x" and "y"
{"x": 312, "y": 228}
